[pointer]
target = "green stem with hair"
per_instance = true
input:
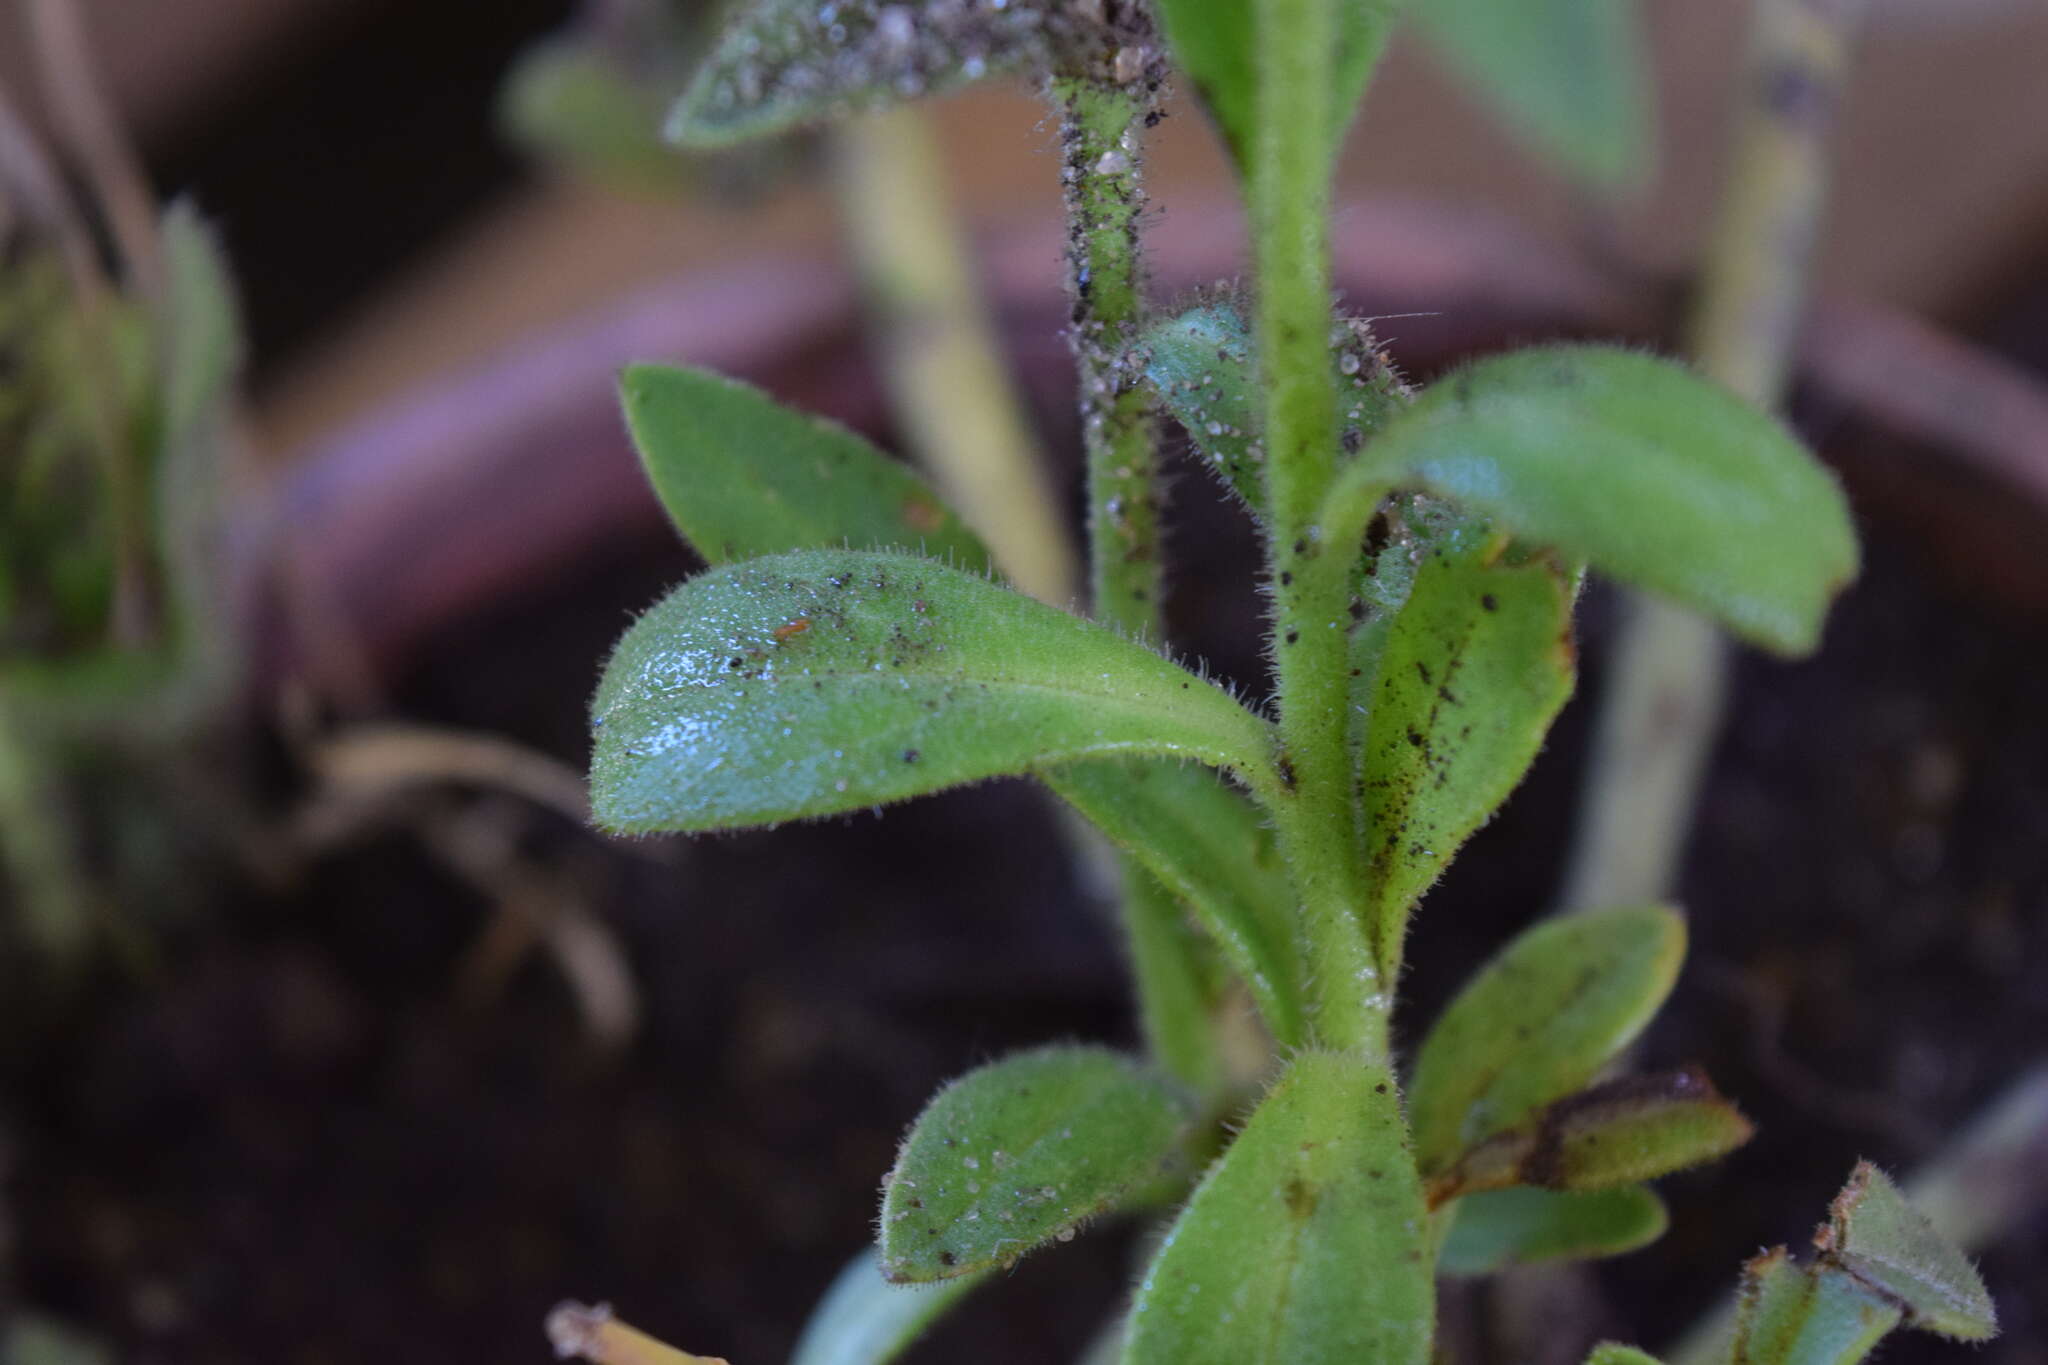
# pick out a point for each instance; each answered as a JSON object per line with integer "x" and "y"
{"x": 1101, "y": 123}
{"x": 1311, "y": 578}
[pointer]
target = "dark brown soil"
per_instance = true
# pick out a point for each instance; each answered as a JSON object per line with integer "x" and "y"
{"x": 299, "y": 1142}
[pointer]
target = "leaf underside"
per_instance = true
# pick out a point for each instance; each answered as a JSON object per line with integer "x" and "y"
{"x": 1499, "y": 1228}
{"x": 1207, "y": 845}
{"x": 865, "y": 1320}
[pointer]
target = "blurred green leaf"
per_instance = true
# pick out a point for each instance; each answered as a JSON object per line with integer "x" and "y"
{"x": 1473, "y": 668}
{"x": 865, "y": 1320}
{"x": 1570, "y": 76}
{"x": 1214, "y": 42}
{"x": 567, "y": 102}
{"x": 1613, "y": 1353}
{"x": 819, "y": 682}
{"x": 1654, "y": 475}
{"x": 1885, "y": 1242}
{"x": 1538, "y": 1022}
{"x": 1022, "y": 1152}
{"x": 741, "y": 475}
{"x": 782, "y": 63}
{"x": 1208, "y": 845}
{"x": 1303, "y": 1244}
{"x": 1495, "y": 1229}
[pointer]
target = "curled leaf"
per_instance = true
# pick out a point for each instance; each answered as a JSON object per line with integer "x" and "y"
{"x": 1787, "y": 1314}
{"x": 1625, "y": 1131}
{"x": 1201, "y": 363}
{"x": 1875, "y": 1235}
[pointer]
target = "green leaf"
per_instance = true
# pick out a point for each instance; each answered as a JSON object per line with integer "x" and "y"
{"x": 1538, "y": 1022}
{"x": 569, "y": 102}
{"x": 1885, "y": 1242}
{"x": 1473, "y": 668}
{"x": 1654, "y": 475}
{"x": 1570, "y": 76}
{"x": 1614, "y": 1353}
{"x": 1022, "y": 1152}
{"x": 742, "y": 475}
{"x": 865, "y": 1320}
{"x": 1499, "y": 1228}
{"x": 201, "y": 331}
{"x": 826, "y": 681}
{"x": 1624, "y": 1131}
{"x": 921, "y": 677}
{"x": 1817, "y": 1315}
{"x": 781, "y": 63}
{"x": 1303, "y": 1244}
{"x": 1213, "y": 42}
{"x": 1207, "y": 844}
{"x": 1201, "y": 363}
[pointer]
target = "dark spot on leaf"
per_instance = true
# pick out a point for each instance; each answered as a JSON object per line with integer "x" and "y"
{"x": 910, "y": 755}
{"x": 1286, "y": 579}
{"x": 1489, "y": 602}
{"x": 947, "y": 1258}
{"x": 1292, "y": 636}
{"x": 1301, "y": 1200}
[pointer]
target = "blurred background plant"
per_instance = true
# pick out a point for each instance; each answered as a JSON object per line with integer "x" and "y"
{"x": 119, "y": 347}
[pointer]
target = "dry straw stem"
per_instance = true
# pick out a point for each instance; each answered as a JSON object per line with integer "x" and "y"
{"x": 579, "y": 1331}
{"x": 1668, "y": 675}
{"x": 940, "y": 354}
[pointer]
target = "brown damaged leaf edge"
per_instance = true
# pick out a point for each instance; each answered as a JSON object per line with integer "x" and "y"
{"x": 1583, "y": 1142}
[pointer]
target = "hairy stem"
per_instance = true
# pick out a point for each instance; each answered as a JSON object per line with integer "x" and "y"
{"x": 940, "y": 355}
{"x": 1310, "y": 577}
{"x": 1101, "y": 122}
{"x": 1668, "y": 674}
